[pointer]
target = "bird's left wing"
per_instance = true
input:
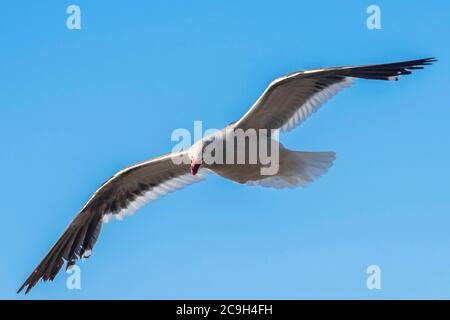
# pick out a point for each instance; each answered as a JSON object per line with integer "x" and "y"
{"x": 123, "y": 194}
{"x": 289, "y": 100}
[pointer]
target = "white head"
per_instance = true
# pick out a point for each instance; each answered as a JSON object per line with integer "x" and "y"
{"x": 195, "y": 154}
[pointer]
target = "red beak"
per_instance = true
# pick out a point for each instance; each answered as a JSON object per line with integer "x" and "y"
{"x": 194, "y": 168}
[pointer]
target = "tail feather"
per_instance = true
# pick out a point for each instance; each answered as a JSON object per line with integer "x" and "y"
{"x": 305, "y": 167}
{"x": 298, "y": 168}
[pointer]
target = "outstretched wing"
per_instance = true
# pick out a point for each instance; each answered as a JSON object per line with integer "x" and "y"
{"x": 122, "y": 195}
{"x": 290, "y": 99}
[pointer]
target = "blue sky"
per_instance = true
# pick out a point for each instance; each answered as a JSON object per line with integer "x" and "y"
{"x": 78, "y": 105}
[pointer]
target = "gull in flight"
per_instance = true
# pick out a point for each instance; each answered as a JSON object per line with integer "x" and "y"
{"x": 285, "y": 103}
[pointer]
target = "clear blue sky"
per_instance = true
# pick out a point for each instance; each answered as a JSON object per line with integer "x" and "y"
{"x": 76, "y": 106}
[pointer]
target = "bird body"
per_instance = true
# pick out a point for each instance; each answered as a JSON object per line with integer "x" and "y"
{"x": 243, "y": 157}
{"x": 285, "y": 104}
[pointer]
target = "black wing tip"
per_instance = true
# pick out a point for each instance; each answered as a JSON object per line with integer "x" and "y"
{"x": 411, "y": 64}
{"x": 426, "y": 61}
{"x": 28, "y": 286}
{"x": 34, "y": 278}
{"x": 30, "y": 282}
{"x": 405, "y": 68}
{"x": 39, "y": 274}
{"x": 21, "y": 288}
{"x": 78, "y": 239}
{"x": 389, "y": 71}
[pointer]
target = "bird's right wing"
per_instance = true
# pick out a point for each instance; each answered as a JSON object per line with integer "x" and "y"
{"x": 123, "y": 194}
{"x": 290, "y": 99}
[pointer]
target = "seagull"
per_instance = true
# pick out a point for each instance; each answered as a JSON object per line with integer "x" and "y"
{"x": 284, "y": 104}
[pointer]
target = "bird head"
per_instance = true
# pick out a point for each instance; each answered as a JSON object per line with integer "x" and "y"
{"x": 194, "y": 167}
{"x": 198, "y": 155}
{"x": 195, "y": 156}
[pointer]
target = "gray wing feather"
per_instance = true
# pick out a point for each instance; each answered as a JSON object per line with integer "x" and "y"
{"x": 290, "y": 99}
{"x": 124, "y": 193}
